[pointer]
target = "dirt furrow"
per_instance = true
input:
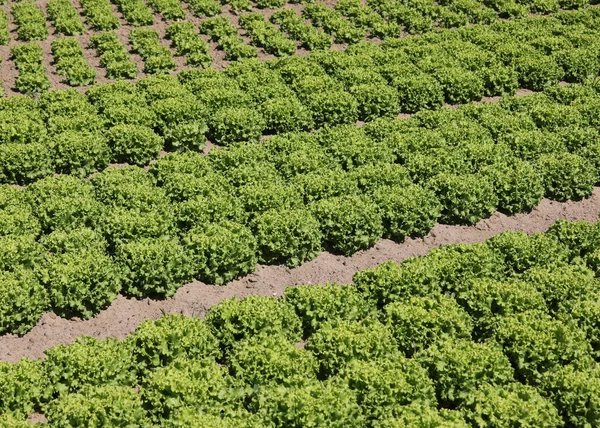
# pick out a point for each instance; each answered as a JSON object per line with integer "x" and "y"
{"x": 124, "y": 314}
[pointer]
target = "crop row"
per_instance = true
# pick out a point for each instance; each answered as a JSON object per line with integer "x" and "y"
{"x": 4, "y": 33}
{"x": 298, "y": 29}
{"x": 214, "y": 217}
{"x": 157, "y": 58}
{"x": 383, "y": 18}
{"x": 374, "y": 24}
{"x": 30, "y": 21}
{"x": 456, "y": 67}
{"x": 169, "y": 9}
{"x": 294, "y": 94}
{"x": 135, "y": 12}
{"x": 332, "y": 21}
{"x": 266, "y": 35}
{"x": 238, "y": 5}
{"x": 32, "y": 77}
{"x": 113, "y": 56}
{"x": 65, "y": 17}
{"x": 271, "y": 4}
{"x": 70, "y": 63}
{"x": 204, "y": 8}
{"x": 188, "y": 43}
{"x": 222, "y": 31}
{"x": 504, "y": 331}
{"x": 99, "y": 15}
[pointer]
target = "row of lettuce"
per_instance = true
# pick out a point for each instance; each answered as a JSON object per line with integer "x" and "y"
{"x": 72, "y": 244}
{"x": 496, "y": 334}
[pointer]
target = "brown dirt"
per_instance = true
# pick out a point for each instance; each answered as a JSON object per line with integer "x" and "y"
{"x": 37, "y": 418}
{"x": 124, "y": 314}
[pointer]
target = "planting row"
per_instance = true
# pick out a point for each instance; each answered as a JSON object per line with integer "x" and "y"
{"x": 402, "y": 75}
{"x": 501, "y": 333}
{"x": 166, "y": 107}
{"x": 68, "y": 59}
{"x": 215, "y": 217}
{"x": 411, "y": 74}
{"x": 332, "y": 22}
{"x": 253, "y": 98}
{"x": 188, "y": 43}
{"x": 99, "y": 15}
{"x": 113, "y": 56}
{"x": 4, "y": 33}
{"x": 266, "y": 35}
{"x": 169, "y": 9}
{"x": 70, "y": 63}
{"x": 398, "y": 17}
{"x": 30, "y": 21}
{"x": 350, "y": 21}
{"x": 422, "y": 16}
{"x": 224, "y": 33}
{"x": 65, "y": 18}
{"x": 297, "y": 28}
{"x": 157, "y": 58}
{"x": 204, "y": 8}
{"x": 28, "y": 58}
{"x": 135, "y": 12}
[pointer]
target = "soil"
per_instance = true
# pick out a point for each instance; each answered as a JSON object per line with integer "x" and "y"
{"x": 195, "y": 299}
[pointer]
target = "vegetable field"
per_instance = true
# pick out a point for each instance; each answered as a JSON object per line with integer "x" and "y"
{"x": 500, "y": 333}
{"x": 146, "y": 232}
{"x": 153, "y": 147}
{"x": 166, "y": 36}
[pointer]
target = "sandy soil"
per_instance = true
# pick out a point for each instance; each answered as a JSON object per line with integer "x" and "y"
{"x": 124, "y": 314}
